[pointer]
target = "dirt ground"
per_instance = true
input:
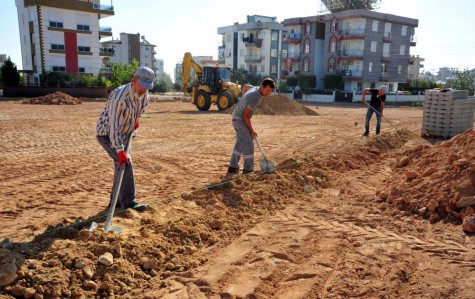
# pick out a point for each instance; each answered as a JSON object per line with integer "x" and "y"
{"x": 343, "y": 216}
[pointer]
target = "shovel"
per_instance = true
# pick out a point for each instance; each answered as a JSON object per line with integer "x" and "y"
{"x": 267, "y": 166}
{"x": 108, "y": 226}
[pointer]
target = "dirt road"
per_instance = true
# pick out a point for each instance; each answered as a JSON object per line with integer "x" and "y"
{"x": 316, "y": 229}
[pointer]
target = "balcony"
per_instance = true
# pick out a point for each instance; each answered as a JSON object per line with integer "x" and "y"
{"x": 411, "y": 61}
{"x": 103, "y": 7}
{"x": 221, "y": 60}
{"x": 252, "y": 42}
{"x": 352, "y": 33}
{"x": 413, "y": 41}
{"x": 292, "y": 38}
{"x": 253, "y": 58}
{"x": 351, "y": 75}
{"x": 350, "y": 54}
{"x": 105, "y": 31}
{"x": 106, "y": 52}
{"x": 387, "y": 38}
{"x": 385, "y": 59}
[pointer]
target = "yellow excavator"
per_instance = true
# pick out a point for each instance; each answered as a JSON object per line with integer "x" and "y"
{"x": 212, "y": 85}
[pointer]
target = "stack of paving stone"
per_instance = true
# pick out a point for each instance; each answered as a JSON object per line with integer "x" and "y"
{"x": 448, "y": 113}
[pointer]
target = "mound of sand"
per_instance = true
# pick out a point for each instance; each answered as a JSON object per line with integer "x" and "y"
{"x": 437, "y": 182}
{"x": 278, "y": 104}
{"x": 57, "y": 98}
{"x": 68, "y": 262}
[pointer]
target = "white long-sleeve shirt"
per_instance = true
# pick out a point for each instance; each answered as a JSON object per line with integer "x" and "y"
{"x": 120, "y": 114}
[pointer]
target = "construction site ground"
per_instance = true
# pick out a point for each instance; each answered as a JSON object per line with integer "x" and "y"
{"x": 317, "y": 228}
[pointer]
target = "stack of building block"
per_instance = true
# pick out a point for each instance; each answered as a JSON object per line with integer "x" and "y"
{"x": 447, "y": 114}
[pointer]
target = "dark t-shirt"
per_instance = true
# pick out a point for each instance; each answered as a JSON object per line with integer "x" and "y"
{"x": 375, "y": 98}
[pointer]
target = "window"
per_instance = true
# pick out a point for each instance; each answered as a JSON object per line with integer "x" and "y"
{"x": 83, "y": 27}
{"x": 55, "y": 24}
{"x": 307, "y": 46}
{"x": 375, "y": 25}
{"x": 273, "y": 52}
{"x": 402, "y": 50}
{"x": 404, "y": 30}
{"x": 332, "y": 46}
{"x": 334, "y": 26}
{"x": 391, "y": 87}
{"x": 331, "y": 66}
{"x": 57, "y": 47}
{"x": 82, "y": 69}
{"x": 228, "y": 38}
{"x": 84, "y": 49}
{"x": 383, "y": 68}
{"x": 305, "y": 65}
{"x": 59, "y": 68}
{"x": 385, "y": 50}
{"x": 284, "y": 53}
{"x": 263, "y": 68}
{"x": 359, "y": 87}
{"x": 273, "y": 68}
{"x": 307, "y": 28}
{"x": 374, "y": 45}
{"x": 387, "y": 29}
{"x": 274, "y": 36}
{"x": 370, "y": 67}
{"x": 399, "y": 69}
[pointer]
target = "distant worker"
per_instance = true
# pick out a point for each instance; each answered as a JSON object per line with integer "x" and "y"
{"x": 378, "y": 97}
{"x": 241, "y": 120}
{"x": 118, "y": 120}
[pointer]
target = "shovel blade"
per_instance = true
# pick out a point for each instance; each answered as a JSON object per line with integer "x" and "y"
{"x": 115, "y": 229}
{"x": 267, "y": 166}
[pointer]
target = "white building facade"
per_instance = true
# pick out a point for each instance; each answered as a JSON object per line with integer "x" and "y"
{"x": 61, "y": 36}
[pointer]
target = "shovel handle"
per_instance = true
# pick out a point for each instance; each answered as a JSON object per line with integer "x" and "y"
{"x": 260, "y": 148}
{"x": 108, "y": 224}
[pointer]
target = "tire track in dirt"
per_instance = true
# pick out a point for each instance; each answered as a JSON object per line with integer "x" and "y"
{"x": 295, "y": 253}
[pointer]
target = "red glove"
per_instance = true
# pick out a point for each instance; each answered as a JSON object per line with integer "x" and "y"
{"x": 123, "y": 158}
{"x": 137, "y": 125}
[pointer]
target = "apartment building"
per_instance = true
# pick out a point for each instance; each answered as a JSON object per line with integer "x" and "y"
{"x": 367, "y": 48}
{"x": 255, "y": 46}
{"x": 159, "y": 68}
{"x": 61, "y": 36}
{"x": 414, "y": 68}
{"x": 128, "y": 47}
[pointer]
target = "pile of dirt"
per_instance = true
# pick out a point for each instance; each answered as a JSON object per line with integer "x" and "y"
{"x": 57, "y": 98}
{"x": 369, "y": 154}
{"x": 278, "y": 104}
{"x": 437, "y": 182}
{"x": 70, "y": 262}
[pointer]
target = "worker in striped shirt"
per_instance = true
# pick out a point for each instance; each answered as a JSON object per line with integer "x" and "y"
{"x": 118, "y": 120}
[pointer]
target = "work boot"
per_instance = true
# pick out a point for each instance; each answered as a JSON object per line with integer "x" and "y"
{"x": 139, "y": 207}
{"x": 247, "y": 171}
{"x": 365, "y": 134}
{"x": 231, "y": 173}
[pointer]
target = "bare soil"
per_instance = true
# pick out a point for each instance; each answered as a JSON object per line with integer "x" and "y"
{"x": 343, "y": 216}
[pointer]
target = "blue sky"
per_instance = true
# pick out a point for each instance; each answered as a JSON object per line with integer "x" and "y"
{"x": 444, "y": 37}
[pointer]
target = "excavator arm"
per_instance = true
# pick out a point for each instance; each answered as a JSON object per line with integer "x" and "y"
{"x": 187, "y": 65}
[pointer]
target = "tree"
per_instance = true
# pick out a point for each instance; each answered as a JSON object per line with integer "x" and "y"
{"x": 164, "y": 84}
{"x": 464, "y": 81}
{"x": 121, "y": 74}
{"x": 333, "y": 82}
{"x": 9, "y": 73}
{"x": 292, "y": 81}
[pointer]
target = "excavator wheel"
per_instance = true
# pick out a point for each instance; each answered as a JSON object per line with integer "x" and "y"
{"x": 203, "y": 101}
{"x": 225, "y": 100}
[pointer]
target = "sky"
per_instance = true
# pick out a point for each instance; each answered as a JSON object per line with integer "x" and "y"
{"x": 445, "y": 35}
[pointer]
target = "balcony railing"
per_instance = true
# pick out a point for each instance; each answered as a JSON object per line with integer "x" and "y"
{"x": 292, "y": 38}
{"x": 351, "y": 74}
{"x": 352, "y": 32}
{"x": 102, "y": 7}
{"x": 252, "y": 42}
{"x": 350, "y": 53}
{"x": 252, "y": 58}
{"x": 413, "y": 41}
{"x": 105, "y": 29}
